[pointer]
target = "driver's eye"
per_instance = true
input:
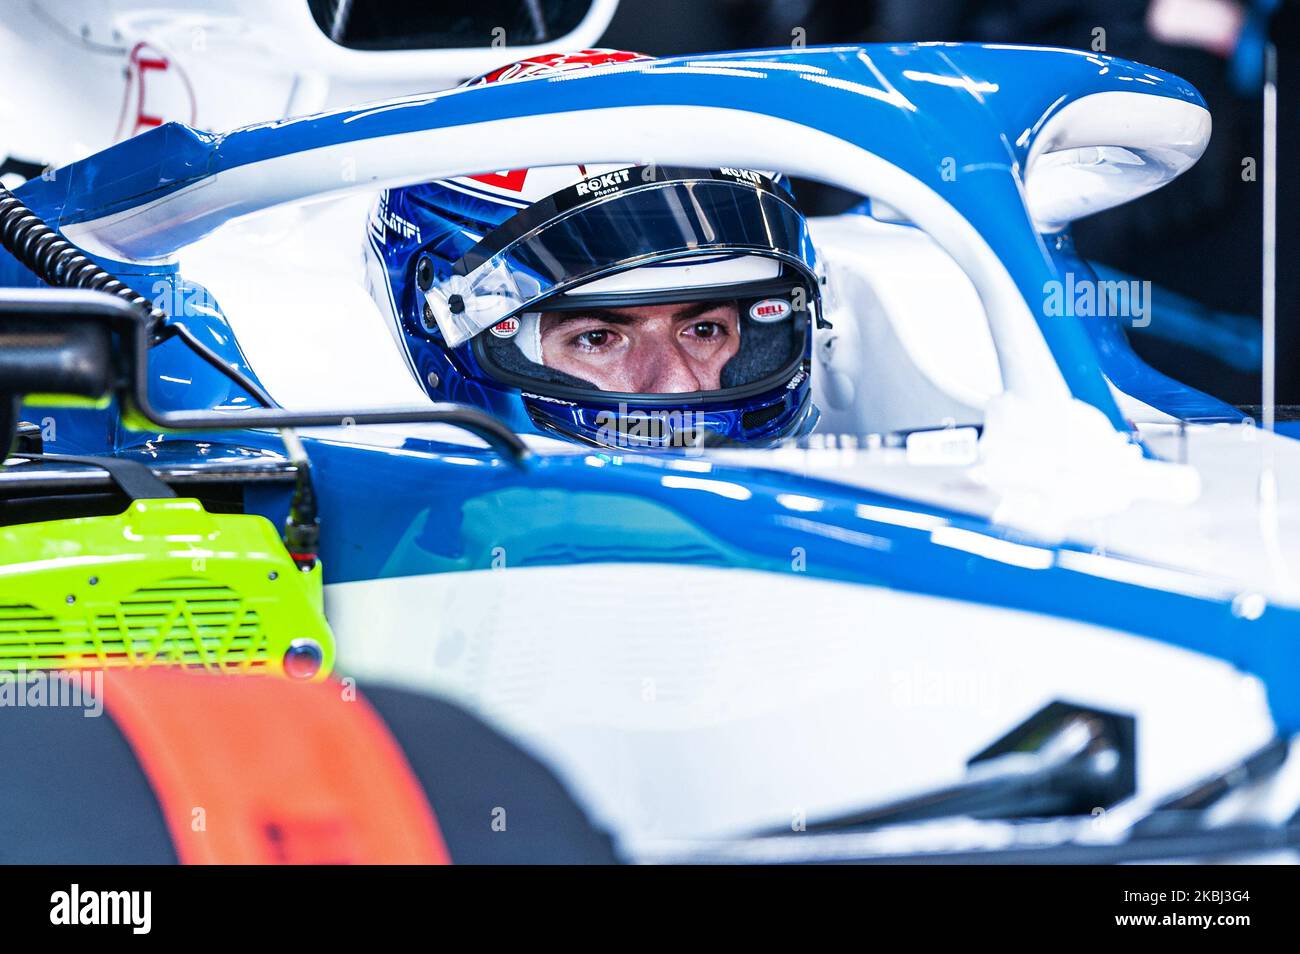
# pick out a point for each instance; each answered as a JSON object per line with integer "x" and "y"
{"x": 706, "y": 329}
{"x": 595, "y": 338}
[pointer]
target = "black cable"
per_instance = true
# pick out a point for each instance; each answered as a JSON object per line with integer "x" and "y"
{"x": 8, "y": 423}
{"x": 54, "y": 259}
{"x": 59, "y": 263}
{"x": 214, "y": 359}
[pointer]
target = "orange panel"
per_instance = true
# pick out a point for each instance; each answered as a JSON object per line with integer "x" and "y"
{"x": 252, "y": 770}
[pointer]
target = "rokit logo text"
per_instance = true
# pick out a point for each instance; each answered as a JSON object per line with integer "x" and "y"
{"x": 599, "y": 185}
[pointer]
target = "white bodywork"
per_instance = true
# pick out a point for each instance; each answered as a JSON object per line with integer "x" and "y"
{"x": 912, "y": 348}
{"x": 749, "y": 698}
{"x": 79, "y": 75}
{"x": 1075, "y": 164}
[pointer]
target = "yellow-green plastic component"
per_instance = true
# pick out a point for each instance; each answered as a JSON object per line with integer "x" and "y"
{"x": 165, "y": 583}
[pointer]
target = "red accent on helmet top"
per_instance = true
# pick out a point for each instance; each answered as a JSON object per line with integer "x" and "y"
{"x": 546, "y": 64}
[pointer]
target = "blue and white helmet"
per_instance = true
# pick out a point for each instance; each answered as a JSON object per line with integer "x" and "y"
{"x": 619, "y": 305}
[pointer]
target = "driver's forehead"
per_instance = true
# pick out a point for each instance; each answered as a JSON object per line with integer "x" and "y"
{"x": 641, "y": 313}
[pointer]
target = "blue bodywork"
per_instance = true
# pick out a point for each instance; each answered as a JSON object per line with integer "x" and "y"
{"x": 428, "y": 507}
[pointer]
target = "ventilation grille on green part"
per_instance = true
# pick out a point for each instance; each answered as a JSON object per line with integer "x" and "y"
{"x": 177, "y": 622}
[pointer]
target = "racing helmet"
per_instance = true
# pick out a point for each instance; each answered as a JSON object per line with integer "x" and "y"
{"x": 625, "y": 305}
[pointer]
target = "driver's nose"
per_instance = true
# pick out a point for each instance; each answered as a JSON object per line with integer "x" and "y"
{"x": 667, "y": 369}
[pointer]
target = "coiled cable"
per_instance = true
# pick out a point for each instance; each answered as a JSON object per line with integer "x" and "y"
{"x": 59, "y": 263}
{"x": 55, "y": 260}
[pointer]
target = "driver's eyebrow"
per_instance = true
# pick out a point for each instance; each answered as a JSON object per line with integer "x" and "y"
{"x": 600, "y": 314}
{"x": 697, "y": 308}
{"x": 691, "y": 310}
